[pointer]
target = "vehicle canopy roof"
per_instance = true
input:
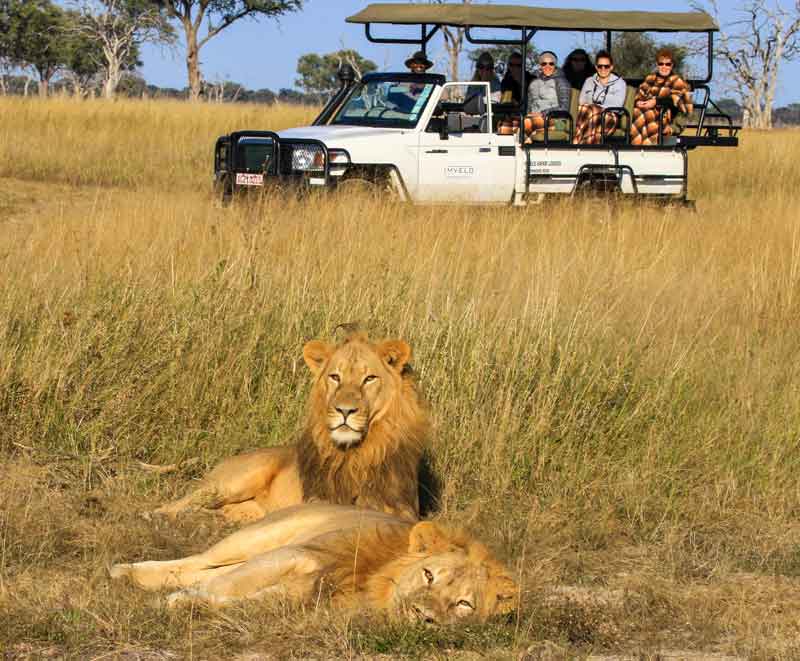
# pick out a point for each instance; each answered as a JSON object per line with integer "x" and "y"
{"x": 541, "y": 18}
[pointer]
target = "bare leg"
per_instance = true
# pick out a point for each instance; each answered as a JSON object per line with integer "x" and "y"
{"x": 238, "y": 485}
{"x": 224, "y": 556}
{"x": 287, "y": 572}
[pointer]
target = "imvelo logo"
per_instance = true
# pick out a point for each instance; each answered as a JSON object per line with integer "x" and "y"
{"x": 459, "y": 171}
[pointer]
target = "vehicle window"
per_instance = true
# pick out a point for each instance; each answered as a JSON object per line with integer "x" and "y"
{"x": 396, "y": 104}
{"x": 463, "y": 107}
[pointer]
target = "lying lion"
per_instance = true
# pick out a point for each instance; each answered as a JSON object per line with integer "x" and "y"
{"x": 362, "y": 444}
{"x": 363, "y": 558}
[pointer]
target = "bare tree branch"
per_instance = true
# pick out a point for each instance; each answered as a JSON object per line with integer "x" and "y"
{"x": 753, "y": 47}
{"x": 453, "y": 43}
{"x": 119, "y": 28}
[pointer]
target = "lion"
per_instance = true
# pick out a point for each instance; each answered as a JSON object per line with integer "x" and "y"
{"x": 362, "y": 444}
{"x": 361, "y": 558}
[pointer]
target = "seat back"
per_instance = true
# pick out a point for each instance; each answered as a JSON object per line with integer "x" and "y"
{"x": 573, "y": 102}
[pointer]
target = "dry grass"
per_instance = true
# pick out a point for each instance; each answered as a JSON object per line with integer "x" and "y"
{"x": 615, "y": 387}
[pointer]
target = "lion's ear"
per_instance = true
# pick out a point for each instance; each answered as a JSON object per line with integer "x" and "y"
{"x": 316, "y": 354}
{"x": 426, "y": 537}
{"x": 395, "y": 352}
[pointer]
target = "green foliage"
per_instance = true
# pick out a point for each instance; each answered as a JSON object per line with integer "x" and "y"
{"x": 318, "y": 72}
{"x": 83, "y": 56}
{"x": 36, "y": 37}
{"x": 635, "y": 54}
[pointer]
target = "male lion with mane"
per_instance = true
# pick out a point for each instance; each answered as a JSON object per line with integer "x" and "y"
{"x": 362, "y": 443}
{"x": 364, "y": 558}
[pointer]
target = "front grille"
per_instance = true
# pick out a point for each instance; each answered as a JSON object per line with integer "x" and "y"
{"x": 255, "y": 155}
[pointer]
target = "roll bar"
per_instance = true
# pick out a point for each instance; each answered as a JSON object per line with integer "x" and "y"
{"x": 427, "y": 31}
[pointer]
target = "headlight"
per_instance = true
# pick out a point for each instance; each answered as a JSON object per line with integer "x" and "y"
{"x": 338, "y": 157}
{"x": 308, "y": 158}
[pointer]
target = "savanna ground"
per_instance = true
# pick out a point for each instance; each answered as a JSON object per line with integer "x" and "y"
{"x": 615, "y": 390}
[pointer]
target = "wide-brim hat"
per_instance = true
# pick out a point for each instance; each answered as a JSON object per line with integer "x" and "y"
{"x": 419, "y": 58}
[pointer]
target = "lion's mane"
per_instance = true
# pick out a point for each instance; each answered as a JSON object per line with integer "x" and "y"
{"x": 382, "y": 472}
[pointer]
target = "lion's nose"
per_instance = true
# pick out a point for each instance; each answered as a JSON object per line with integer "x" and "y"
{"x": 346, "y": 410}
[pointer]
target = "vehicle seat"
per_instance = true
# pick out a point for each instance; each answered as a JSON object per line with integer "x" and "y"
{"x": 623, "y": 130}
{"x": 560, "y": 131}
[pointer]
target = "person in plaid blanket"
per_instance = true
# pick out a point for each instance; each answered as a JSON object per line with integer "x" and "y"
{"x": 605, "y": 89}
{"x": 662, "y": 89}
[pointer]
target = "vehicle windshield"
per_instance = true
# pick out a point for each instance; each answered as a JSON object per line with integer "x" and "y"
{"x": 385, "y": 103}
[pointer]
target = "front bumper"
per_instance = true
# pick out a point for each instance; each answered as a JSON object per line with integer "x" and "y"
{"x": 252, "y": 160}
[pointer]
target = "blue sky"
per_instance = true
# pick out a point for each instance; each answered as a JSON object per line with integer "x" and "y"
{"x": 264, "y": 54}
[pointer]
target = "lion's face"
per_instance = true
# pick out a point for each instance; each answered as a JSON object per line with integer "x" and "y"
{"x": 355, "y": 384}
{"x": 448, "y": 580}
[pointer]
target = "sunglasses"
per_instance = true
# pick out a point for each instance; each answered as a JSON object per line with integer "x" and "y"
{"x": 664, "y": 64}
{"x": 603, "y": 66}
{"x": 547, "y": 64}
{"x": 484, "y": 67}
{"x": 515, "y": 65}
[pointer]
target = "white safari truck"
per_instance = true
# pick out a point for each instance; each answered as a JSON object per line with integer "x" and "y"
{"x": 426, "y": 140}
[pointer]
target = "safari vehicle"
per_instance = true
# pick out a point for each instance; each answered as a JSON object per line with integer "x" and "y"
{"x": 427, "y": 140}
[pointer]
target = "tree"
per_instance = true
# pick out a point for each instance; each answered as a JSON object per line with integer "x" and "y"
{"x": 453, "y": 42}
{"x": 119, "y": 28}
{"x": 218, "y": 15}
{"x": 317, "y": 73}
{"x": 753, "y": 48}
{"x": 635, "y": 54}
{"x": 83, "y": 59}
{"x": 36, "y": 38}
{"x": 6, "y": 66}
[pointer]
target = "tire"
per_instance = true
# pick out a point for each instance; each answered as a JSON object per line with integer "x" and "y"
{"x": 378, "y": 187}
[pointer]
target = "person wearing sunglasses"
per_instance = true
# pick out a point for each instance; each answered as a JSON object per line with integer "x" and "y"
{"x": 484, "y": 73}
{"x": 549, "y": 90}
{"x": 663, "y": 94}
{"x": 605, "y": 89}
{"x": 578, "y": 67}
{"x": 511, "y": 85}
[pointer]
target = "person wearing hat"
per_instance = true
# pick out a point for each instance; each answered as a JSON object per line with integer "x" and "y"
{"x": 418, "y": 63}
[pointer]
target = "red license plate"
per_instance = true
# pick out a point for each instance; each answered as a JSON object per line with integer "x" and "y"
{"x": 247, "y": 179}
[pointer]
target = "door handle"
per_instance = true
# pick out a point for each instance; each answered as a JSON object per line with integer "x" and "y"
{"x": 436, "y": 151}
{"x": 484, "y": 150}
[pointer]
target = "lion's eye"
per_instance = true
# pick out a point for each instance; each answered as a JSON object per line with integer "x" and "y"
{"x": 428, "y": 575}
{"x": 465, "y": 604}
{"x": 334, "y": 377}
{"x": 370, "y": 379}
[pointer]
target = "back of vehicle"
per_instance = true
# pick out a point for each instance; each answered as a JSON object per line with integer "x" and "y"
{"x": 551, "y": 161}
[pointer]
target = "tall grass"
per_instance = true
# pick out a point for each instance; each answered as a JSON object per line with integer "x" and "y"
{"x": 133, "y": 144}
{"x": 614, "y": 385}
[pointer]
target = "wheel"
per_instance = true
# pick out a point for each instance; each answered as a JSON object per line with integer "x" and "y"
{"x": 361, "y": 186}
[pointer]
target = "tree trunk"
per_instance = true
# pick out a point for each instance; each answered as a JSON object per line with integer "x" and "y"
{"x": 44, "y": 87}
{"x": 113, "y": 76}
{"x": 27, "y": 86}
{"x": 77, "y": 88}
{"x": 193, "y": 65}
